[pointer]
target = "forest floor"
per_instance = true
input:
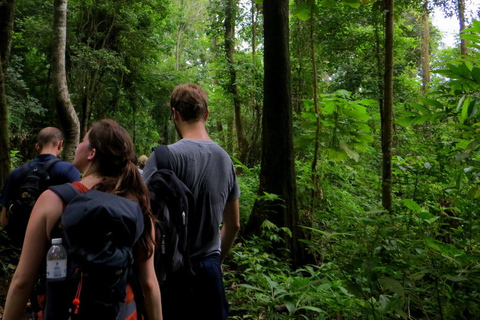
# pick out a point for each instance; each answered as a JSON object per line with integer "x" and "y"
{"x": 4, "y": 283}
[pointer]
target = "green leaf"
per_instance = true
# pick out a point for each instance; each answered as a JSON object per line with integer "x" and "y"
{"x": 247, "y": 286}
{"x": 367, "y": 102}
{"x": 392, "y": 285}
{"x": 476, "y": 74}
{"x": 351, "y": 154}
{"x": 456, "y": 278}
{"x": 326, "y": 234}
{"x": 302, "y": 11}
{"x": 431, "y": 102}
{"x": 352, "y": 3}
{"x": 328, "y": 3}
{"x": 412, "y": 205}
{"x": 473, "y": 193}
{"x": 419, "y": 107}
{"x": 464, "y": 115}
{"x": 470, "y": 37}
{"x": 460, "y": 102}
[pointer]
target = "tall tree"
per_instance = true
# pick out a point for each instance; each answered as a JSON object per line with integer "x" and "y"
{"x": 316, "y": 188}
{"x": 66, "y": 113}
{"x": 277, "y": 175}
{"x": 7, "y": 13}
{"x": 461, "y": 20}
{"x": 387, "y": 114}
{"x": 230, "y": 10}
{"x": 425, "y": 48}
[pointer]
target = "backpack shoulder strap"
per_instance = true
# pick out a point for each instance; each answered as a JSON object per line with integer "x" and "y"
{"x": 161, "y": 155}
{"x": 50, "y": 163}
{"x": 66, "y": 191}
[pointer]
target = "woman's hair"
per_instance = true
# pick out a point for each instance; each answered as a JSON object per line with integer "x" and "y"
{"x": 114, "y": 162}
{"x": 190, "y": 100}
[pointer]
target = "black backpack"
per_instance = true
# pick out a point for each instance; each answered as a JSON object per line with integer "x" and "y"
{"x": 173, "y": 205}
{"x": 36, "y": 179}
{"x": 99, "y": 231}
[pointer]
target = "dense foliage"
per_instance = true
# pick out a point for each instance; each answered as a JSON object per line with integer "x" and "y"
{"x": 419, "y": 261}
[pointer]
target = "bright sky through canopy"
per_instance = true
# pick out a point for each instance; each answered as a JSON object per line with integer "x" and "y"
{"x": 450, "y": 26}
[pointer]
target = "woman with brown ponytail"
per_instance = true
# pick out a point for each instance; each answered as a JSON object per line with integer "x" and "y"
{"x": 105, "y": 157}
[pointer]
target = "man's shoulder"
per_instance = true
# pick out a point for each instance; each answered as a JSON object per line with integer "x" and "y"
{"x": 17, "y": 173}
{"x": 64, "y": 167}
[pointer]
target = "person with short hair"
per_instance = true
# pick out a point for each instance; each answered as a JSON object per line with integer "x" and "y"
{"x": 142, "y": 160}
{"x": 207, "y": 170}
{"x": 49, "y": 146}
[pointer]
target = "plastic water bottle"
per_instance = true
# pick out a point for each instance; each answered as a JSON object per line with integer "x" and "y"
{"x": 56, "y": 261}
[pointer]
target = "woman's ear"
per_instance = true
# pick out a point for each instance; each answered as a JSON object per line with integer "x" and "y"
{"x": 92, "y": 154}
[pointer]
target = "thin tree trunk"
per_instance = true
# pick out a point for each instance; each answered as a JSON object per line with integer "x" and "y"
{"x": 387, "y": 121}
{"x": 230, "y": 50}
{"x": 277, "y": 174}
{"x": 254, "y": 31}
{"x": 4, "y": 140}
{"x": 461, "y": 20}
{"x": 380, "y": 67}
{"x": 256, "y": 102}
{"x": 7, "y": 13}
{"x": 425, "y": 49}
{"x": 316, "y": 186}
{"x": 178, "y": 47}
{"x": 66, "y": 113}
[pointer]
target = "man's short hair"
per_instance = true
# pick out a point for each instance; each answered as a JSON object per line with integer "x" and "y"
{"x": 190, "y": 100}
{"x": 49, "y": 136}
{"x": 142, "y": 160}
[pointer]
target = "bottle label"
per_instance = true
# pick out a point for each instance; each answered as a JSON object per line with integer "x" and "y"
{"x": 56, "y": 269}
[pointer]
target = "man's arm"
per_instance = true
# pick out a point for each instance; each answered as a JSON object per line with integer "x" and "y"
{"x": 4, "y": 218}
{"x": 231, "y": 226}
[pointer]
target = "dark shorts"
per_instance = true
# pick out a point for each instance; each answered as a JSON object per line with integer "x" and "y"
{"x": 201, "y": 296}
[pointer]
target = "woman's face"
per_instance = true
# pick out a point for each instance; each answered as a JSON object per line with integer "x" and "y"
{"x": 83, "y": 155}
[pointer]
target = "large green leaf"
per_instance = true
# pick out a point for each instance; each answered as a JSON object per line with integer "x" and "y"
{"x": 302, "y": 11}
{"x": 393, "y": 285}
{"x": 431, "y": 102}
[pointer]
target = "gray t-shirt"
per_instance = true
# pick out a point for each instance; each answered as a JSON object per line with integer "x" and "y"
{"x": 207, "y": 170}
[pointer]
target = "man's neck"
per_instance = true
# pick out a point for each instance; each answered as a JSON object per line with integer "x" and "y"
{"x": 194, "y": 131}
{"x": 53, "y": 151}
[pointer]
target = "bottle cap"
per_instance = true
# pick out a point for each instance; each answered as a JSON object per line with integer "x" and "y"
{"x": 57, "y": 241}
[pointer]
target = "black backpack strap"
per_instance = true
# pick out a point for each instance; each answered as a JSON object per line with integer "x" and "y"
{"x": 161, "y": 155}
{"x": 65, "y": 191}
{"x": 50, "y": 163}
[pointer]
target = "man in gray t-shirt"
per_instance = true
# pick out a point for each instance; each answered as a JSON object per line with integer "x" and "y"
{"x": 208, "y": 172}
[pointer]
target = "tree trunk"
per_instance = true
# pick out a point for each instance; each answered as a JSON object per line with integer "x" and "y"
{"x": 230, "y": 7}
{"x": 7, "y": 13}
{"x": 4, "y": 140}
{"x": 461, "y": 20}
{"x": 178, "y": 47}
{"x": 425, "y": 49}
{"x": 317, "y": 189}
{"x": 277, "y": 174}
{"x": 380, "y": 65}
{"x": 66, "y": 113}
{"x": 387, "y": 121}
